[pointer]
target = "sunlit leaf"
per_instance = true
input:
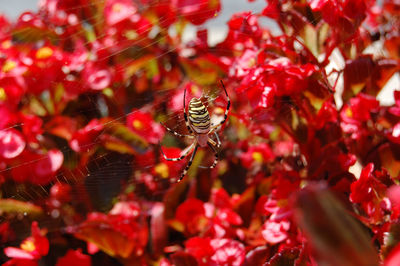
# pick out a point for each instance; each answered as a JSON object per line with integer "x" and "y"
{"x": 122, "y": 132}
{"x": 16, "y": 206}
{"x": 32, "y": 34}
{"x": 139, "y": 63}
{"x": 365, "y": 73}
{"x": 309, "y": 34}
{"x": 108, "y": 239}
{"x": 62, "y": 126}
{"x": 201, "y": 71}
{"x": 113, "y": 144}
{"x": 388, "y": 160}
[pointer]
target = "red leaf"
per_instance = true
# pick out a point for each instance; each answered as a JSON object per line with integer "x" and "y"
{"x": 181, "y": 258}
{"x": 335, "y": 236}
{"x": 74, "y": 257}
{"x": 257, "y": 256}
{"x": 158, "y": 228}
{"x": 394, "y": 257}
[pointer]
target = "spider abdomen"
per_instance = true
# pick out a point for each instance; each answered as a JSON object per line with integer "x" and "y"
{"x": 198, "y": 116}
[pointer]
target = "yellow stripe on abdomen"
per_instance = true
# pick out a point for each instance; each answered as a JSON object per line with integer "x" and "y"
{"x": 199, "y": 117}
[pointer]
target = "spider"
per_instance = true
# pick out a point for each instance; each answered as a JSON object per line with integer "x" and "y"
{"x": 200, "y": 128}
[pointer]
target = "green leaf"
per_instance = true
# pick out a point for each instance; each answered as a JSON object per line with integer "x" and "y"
{"x": 137, "y": 64}
{"x": 16, "y": 206}
{"x": 113, "y": 144}
{"x": 122, "y": 132}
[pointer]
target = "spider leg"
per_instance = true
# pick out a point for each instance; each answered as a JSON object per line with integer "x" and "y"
{"x": 212, "y": 145}
{"x": 184, "y": 153}
{"x": 226, "y": 111}
{"x": 218, "y": 140}
{"x": 189, "y": 163}
{"x": 184, "y": 113}
{"x": 176, "y": 133}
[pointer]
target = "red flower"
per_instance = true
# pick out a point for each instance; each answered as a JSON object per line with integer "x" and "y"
{"x": 278, "y": 77}
{"x": 84, "y": 139}
{"x": 228, "y": 217}
{"x": 278, "y": 209}
{"x": 29, "y": 19}
{"x": 32, "y": 248}
{"x": 272, "y": 9}
{"x": 275, "y": 232}
{"x": 394, "y": 136}
{"x": 200, "y": 248}
{"x": 165, "y": 12}
{"x": 355, "y": 9}
{"x": 4, "y": 28}
{"x": 393, "y": 259}
{"x": 44, "y": 69}
{"x": 216, "y": 251}
{"x": 21, "y": 262}
{"x": 74, "y": 257}
{"x": 243, "y": 31}
{"x": 120, "y": 233}
{"x": 327, "y": 113}
{"x": 61, "y": 192}
{"x": 369, "y": 192}
{"x": 116, "y": 11}
{"x": 362, "y": 106}
{"x": 356, "y": 113}
{"x": 192, "y": 216}
{"x": 257, "y": 155}
{"x": 220, "y": 198}
{"x": 143, "y": 124}
{"x": 31, "y": 127}
{"x": 330, "y": 10}
{"x": 190, "y": 211}
{"x": 126, "y": 209}
{"x": 259, "y": 206}
{"x": 393, "y": 194}
{"x": 96, "y": 77}
{"x": 169, "y": 169}
{"x": 8, "y": 117}
{"x": 197, "y": 12}
{"x": 12, "y": 87}
{"x": 283, "y": 148}
{"x": 362, "y": 190}
{"x": 6, "y": 232}
{"x": 227, "y": 252}
{"x": 47, "y": 166}
{"x": 37, "y": 168}
{"x": 12, "y": 143}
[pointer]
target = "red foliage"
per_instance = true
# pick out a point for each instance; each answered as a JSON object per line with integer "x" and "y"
{"x": 32, "y": 248}
{"x": 309, "y": 160}
{"x": 74, "y": 257}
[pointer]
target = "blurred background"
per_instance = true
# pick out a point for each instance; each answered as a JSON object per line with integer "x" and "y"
{"x": 217, "y": 32}
{"x": 13, "y": 8}
{"x": 217, "y": 26}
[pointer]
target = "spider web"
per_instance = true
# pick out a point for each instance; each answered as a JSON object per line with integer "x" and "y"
{"x": 106, "y": 173}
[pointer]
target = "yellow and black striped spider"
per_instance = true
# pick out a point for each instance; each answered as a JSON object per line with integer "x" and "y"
{"x": 200, "y": 128}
